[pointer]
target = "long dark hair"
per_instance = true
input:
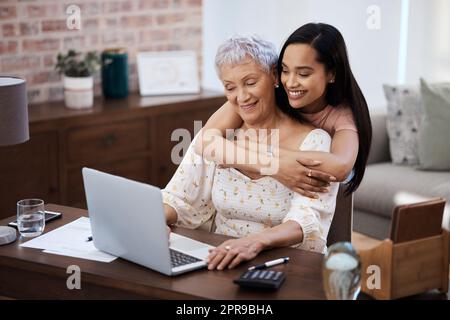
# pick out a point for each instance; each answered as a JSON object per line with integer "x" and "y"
{"x": 332, "y": 53}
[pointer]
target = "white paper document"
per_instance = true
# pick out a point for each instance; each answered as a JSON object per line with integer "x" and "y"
{"x": 70, "y": 240}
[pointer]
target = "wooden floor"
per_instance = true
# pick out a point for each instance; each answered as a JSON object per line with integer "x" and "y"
{"x": 363, "y": 242}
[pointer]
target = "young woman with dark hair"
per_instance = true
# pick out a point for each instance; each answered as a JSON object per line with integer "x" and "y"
{"x": 317, "y": 86}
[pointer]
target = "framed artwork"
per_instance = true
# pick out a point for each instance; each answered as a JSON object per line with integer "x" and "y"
{"x": 168, "y": 72}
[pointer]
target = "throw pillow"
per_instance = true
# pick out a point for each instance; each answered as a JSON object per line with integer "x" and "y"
{"x": 434, "y": 134}
{"x": 404, "y": 106}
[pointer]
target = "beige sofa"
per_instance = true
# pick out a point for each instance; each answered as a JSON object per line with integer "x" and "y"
{"x": 386, "y": 185}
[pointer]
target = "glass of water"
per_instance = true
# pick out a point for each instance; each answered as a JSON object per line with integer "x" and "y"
{"x": 341, "y": 272}
{"x": 30, "y": 217}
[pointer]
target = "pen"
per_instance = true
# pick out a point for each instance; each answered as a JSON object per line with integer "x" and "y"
{"x": 269, "y": 264}
{"x": 89, "y": 239}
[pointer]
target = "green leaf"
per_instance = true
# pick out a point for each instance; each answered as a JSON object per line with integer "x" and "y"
{"x": 76, "y": 64}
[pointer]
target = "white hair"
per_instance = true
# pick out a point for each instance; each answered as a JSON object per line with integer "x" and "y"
{"x": 238, "y": 49}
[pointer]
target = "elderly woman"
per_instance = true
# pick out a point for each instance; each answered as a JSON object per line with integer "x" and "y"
{"x": 259, "y": 211}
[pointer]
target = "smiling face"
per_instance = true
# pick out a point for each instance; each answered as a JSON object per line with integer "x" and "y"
{"x": 250, "y": 90}
{"x": 304, "y": 79}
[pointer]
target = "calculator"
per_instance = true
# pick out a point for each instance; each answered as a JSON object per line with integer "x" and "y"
{"x": 263, "y": 279}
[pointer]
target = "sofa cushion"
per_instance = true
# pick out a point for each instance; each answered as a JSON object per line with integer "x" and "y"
{"x": 386, "y": 185}
{"x": 405, "y": 108}
{"x": 434, "y": 148}
{"x": 379, "y": 150}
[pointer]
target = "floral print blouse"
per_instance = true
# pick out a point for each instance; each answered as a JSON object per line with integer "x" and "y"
{"x": 199, "y": 191}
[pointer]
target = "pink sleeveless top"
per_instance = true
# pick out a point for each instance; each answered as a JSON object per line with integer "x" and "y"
{"x": 332, "y": 119}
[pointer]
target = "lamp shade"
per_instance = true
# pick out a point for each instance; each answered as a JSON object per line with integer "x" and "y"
{"x": 13, "y": 111}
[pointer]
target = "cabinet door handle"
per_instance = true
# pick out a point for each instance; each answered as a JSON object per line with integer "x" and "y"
{"x": 110, "y": 139}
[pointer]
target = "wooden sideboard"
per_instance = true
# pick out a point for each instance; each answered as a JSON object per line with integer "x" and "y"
{"x": 129, "y": 137}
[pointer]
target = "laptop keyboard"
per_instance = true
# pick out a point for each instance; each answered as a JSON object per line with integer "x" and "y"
{"x": 178, "y": 258}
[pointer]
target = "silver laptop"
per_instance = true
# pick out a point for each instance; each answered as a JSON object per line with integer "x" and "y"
{"x": 128, "y": 221}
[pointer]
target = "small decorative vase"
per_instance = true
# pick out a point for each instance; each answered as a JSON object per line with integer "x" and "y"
{"x": 115, "y": 73}
{"x": 79, "y": 92}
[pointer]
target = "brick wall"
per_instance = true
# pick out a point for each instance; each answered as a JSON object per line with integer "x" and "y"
{"x": 32, "y": 32}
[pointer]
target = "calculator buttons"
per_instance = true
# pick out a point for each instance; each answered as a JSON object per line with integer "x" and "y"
{"x": 268, "y": 279}
{"x": 278, "y": 274}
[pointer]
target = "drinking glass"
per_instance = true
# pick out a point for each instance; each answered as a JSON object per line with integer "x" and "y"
{"x": 341, "y": 272}
{"x": 30, "y": 217}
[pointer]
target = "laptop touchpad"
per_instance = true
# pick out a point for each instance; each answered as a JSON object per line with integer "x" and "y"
{"x": 187, "y": 245}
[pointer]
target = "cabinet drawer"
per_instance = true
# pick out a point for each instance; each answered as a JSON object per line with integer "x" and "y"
{"x": 136, "y": 169}
{"x": 88, "y": 143}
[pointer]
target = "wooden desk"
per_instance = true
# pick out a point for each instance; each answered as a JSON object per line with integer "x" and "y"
{"x": 27, "y": 273}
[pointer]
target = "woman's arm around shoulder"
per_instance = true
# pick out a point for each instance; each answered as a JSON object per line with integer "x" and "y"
{"x": 215, "y": 130}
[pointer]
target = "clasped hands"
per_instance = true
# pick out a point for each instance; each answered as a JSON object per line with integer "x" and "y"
{"x": 298, "y": 174}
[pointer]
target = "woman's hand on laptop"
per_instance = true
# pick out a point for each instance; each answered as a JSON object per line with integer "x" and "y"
{"x": 232, "y": 252}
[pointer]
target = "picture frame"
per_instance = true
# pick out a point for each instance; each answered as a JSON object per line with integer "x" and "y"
{"x": 168, "y": 72}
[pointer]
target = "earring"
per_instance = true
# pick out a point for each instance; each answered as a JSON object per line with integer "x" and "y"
{"x": 277, "y": 85}
{"x": 332, "y": 81}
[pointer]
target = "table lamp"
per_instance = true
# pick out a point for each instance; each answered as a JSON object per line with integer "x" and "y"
{"x": 13, "y": 111}
{"x": 13, "y": 126}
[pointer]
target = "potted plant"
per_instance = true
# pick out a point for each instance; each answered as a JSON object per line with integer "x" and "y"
{"x": 78, "y": 71}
